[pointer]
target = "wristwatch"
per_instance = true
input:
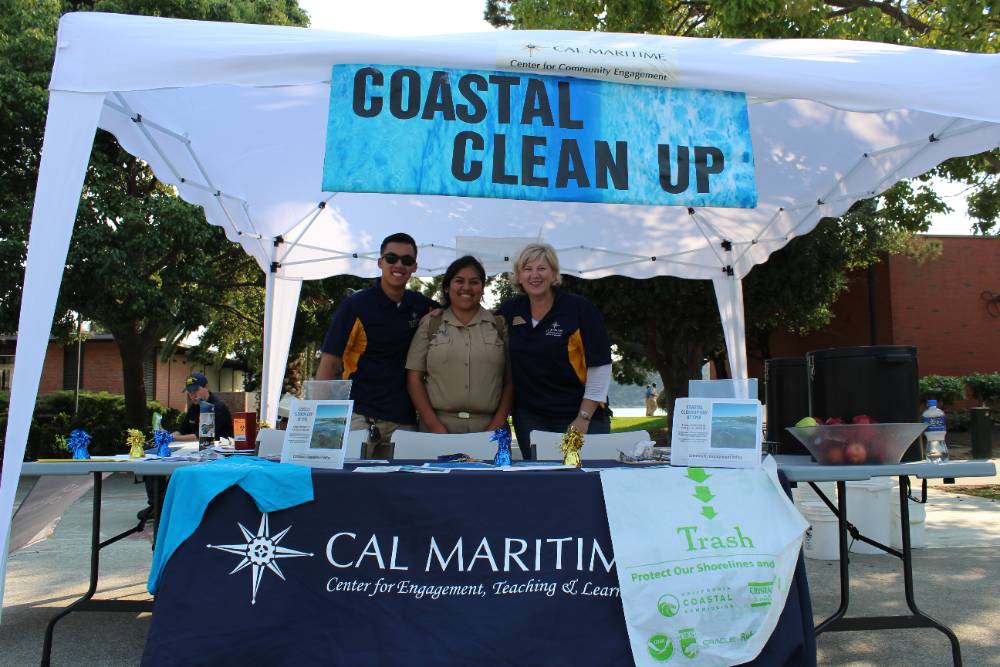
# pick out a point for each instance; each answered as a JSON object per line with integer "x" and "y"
{"x": 584, "y": 415}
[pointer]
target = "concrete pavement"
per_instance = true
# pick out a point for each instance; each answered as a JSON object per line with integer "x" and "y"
{"x": 956, "y": 582}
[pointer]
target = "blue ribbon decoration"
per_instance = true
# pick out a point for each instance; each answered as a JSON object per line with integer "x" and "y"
{"x": 161, "y": 442}
{"x": 78, "y": 442}
{"x": 502, "y": 437}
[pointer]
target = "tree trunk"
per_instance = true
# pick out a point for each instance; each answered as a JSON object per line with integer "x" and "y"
{"x": 133, "y": 351}
{"x": 292, "y": 382}
{"x": 680, "y": 363}
{"x": 720, "y": 360}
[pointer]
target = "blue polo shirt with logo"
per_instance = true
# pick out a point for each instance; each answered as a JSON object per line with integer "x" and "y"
{"x": 549, "y": 361}
{"x": 371, "y": 333}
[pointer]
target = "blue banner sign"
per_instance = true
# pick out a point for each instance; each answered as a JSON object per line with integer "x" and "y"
{"x": 419, "y": 130}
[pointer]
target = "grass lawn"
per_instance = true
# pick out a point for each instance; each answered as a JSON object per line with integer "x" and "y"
{"x": 991, "y": 491}
{"x": 619, "y": 424}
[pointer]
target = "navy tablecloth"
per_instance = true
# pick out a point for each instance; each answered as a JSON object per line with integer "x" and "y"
{"x": 413, "y": 569}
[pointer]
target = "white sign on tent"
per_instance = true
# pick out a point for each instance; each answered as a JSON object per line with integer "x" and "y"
{"x": 831, "y": 122}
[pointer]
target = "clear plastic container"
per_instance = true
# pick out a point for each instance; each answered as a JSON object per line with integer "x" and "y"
{"x": 936, "y": 449}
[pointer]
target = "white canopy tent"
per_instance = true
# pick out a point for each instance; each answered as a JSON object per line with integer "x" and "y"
{"x": 234, "y": 116}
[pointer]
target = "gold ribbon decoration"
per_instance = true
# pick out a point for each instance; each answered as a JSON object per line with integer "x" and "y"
{"x": 136, "y": 442}
{"x": 571, "y": 445}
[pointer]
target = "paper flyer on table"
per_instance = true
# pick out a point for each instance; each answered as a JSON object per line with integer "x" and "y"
{"x": 317, "y": 432}
{"x": 706, "y": 581}
{"x": 716, "y": 433}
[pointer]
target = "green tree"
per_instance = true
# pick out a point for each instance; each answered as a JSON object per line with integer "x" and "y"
{"x": 672, "y": 325}
{"x": 27, "y": 42}
{"x": 959, "y": 25}
{"x": 143, "y": 264}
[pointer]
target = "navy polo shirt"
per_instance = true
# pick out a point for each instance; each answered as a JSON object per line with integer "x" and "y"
{"x": 549, "y": 361}
{"x": 223, "y": 419}
{"x": 371, "y": 333}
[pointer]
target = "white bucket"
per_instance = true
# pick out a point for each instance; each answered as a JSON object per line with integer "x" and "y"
{"x": 821, "y": 542}
{"x": 803, "y": 493}
{"x": 918, "y": 515}
{"x": 868, "y": 508}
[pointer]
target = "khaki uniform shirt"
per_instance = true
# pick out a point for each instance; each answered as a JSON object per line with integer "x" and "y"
{"x": 463, "y": 363}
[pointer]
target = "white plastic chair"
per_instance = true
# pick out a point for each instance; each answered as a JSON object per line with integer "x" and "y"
{"x": 355, "y": 444}
{"x": 269, "y": 442}
{"x": 428, "y": 446}
{"x": 596, "y": 447}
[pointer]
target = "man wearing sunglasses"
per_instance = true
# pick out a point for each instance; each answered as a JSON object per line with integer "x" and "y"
{"x": 367, "y": 342}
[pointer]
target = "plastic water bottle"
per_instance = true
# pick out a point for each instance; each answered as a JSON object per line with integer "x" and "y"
{"x": 206, "y": 425}
{"x": 937, "y": 449}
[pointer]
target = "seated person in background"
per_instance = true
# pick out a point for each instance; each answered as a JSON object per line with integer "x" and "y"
{"x": 196, "y": 388}
{"x": 457, "y": 371}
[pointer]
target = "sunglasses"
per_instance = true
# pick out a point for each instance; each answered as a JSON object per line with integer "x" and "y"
{"x": 392, "y": 258}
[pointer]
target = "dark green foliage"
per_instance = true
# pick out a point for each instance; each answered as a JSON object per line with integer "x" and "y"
{"x": 143, "y": 264}
{"x": 984, "y": 387}
{"x": 945, "y": 388}
{"x": 102, "y": 415}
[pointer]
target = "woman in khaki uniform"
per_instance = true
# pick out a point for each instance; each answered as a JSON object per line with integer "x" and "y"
{"x": 457, "y": 371}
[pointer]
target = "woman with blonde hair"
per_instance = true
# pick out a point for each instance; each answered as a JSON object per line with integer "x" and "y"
{"x": 560, "y": 353}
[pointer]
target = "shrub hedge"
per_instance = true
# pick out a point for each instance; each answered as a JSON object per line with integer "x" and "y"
{"x": 945, "y": 388}
{"x": 101, "y": 414}
{"x": 984, "y": 387}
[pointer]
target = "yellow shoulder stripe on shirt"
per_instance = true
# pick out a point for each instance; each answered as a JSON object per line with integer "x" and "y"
{"x": 357, "y": 343}
{"x": 577, "y": 357}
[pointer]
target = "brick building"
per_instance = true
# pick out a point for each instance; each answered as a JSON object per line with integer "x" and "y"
{"x": 942, "y": 307}
{"x": 101, "y": 370}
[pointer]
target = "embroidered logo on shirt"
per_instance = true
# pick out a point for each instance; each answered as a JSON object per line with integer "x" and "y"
{"x": 554, "y": 330}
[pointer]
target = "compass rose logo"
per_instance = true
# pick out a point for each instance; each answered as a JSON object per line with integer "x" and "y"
{"x": 259, "y": 552}
{"x": 531, "y": 48}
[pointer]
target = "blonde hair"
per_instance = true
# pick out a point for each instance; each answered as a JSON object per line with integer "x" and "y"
{"x": 532, "y": 253}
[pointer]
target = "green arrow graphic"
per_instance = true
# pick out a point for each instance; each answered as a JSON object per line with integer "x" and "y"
{"x": 697, "y": 474}
{"x": 709, "y": 512}
{"x": 703, "y": 493}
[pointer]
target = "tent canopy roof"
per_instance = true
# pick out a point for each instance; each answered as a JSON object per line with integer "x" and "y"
{"x": 234, "y": 116}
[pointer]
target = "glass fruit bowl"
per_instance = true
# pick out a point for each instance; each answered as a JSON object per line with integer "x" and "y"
{"x": 857, "y": 444}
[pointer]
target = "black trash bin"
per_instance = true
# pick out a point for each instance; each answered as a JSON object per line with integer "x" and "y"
{"x": 880, "y": 381}
{"x": 786, "y": 392}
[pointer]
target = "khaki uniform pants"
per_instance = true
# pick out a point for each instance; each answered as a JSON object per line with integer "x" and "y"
{"x": 382, "y": 448}
{"x": 650, "y": 406}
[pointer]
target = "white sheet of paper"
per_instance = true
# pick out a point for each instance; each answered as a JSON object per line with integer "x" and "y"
{"x": 716, "y": 433}
{"x": 317, "y": 433}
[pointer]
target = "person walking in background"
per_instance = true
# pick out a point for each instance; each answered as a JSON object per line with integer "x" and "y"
{"x": 367, "y": 342}
{"x": 651, "y": 399}
{"x": 457, "y": 371}
{"x": 560, "y": 353}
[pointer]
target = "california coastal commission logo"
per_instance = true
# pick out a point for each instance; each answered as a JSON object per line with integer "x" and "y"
{"x": 668, "y": 605}
{"x": 259, "y": 552}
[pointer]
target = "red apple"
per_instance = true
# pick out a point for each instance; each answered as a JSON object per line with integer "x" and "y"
{"x": 834, "y": 421}
{"x": 833, "y": 454}
{"x": 863, "y": 419}
{"x": 855, "y": 453}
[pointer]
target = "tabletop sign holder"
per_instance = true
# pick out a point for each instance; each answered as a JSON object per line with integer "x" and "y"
{"x": 716, "y": 433}
{"x": 317, "y": 432}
